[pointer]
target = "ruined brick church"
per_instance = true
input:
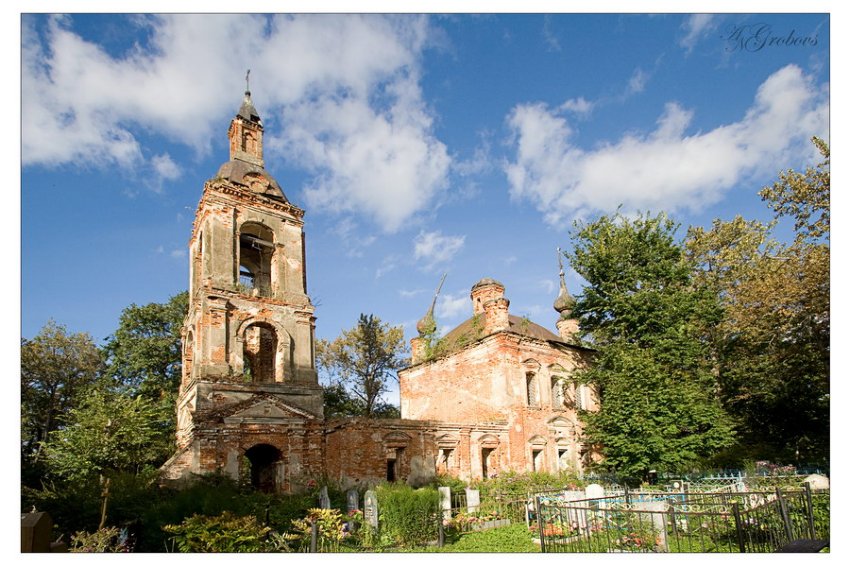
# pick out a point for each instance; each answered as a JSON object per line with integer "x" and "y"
{"x": 497, "y": 396}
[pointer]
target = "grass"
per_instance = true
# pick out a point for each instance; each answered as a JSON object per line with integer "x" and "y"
{"x": 510, "y": 539}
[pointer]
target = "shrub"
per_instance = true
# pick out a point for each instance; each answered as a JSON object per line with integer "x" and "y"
{"x": 104, "y": 540}
{"x": 225, "y": 533}
{"x": 407, "y": 516}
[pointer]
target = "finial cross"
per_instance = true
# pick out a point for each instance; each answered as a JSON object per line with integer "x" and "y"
{"x": 247, "y": 87}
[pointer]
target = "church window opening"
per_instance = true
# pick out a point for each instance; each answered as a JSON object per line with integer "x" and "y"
{"x": 580, "y": 393}
{"x": 563, "y": 458}
{"x": 531, "y": 389}
{"x": 444, "y": 461}
{"x": 537, "y": 460}
{"x": 259, "y": 350}
{"x": 558, "y": 401}
{"x": 256, "y": 253}
{"x": 264, "y": 461}
{"x": 485, "y": 462}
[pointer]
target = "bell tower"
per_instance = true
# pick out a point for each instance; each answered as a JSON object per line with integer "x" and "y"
{"x": 248, "y": 339}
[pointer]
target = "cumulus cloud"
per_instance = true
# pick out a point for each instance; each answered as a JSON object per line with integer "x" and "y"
{"x": 696, "y": 27}
{"x": 342, "y": 90}
{"x": 433, "y": 249}
{"x": 450, "y": 306}
{"x": 667, "y": 168}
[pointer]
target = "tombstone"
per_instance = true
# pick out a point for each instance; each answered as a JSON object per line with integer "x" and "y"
{"x": 573, "y": 495}
{"x": 36, "y": 531}
{"x": 473, "y": 501}
{"x": 370, "y": 508}
{"x": 324, "y": 501}
{"x": 352, "y": 500}
{"x": 657, "y": 519}
{"x": 594, "y": 491}
{"x": 445, "y": 501}
{"x": 817, "y": 482}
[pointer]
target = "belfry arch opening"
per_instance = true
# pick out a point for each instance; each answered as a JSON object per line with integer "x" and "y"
{"x": 264, "y": 461}
{"x": 259, "y": 351}
{"x": 256, "y": 254}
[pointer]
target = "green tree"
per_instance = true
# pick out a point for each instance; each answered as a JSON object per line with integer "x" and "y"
{"x": 144, "y": 353}
{"x": 644, "y": 314}
{"x": 144, "y": 357}
{"x": 108, "y": 434}
{"x": 363, "y": 360}
{"x": 804, "y": 197}
{"x": 772, "y": 345}
{"x": 56, "y": 367}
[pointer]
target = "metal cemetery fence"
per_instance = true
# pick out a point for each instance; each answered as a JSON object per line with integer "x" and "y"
{"x": 725, "y": 522}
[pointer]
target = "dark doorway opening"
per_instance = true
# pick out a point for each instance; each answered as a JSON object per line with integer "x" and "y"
{"x": 264, "y": 461}
{"x": 485, "y": 462}
{"x": 391, "y": 470}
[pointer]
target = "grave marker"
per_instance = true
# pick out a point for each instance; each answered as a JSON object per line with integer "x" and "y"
{"x": 473, "y": 500}
{"x": 370, "y": 508}
{"x": 445, "y": 501}
{"x": 324, "y": 501}
{"x": 352, "y": 500}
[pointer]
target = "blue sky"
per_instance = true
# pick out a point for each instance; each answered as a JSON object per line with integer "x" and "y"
{"x": 417, "y": 144}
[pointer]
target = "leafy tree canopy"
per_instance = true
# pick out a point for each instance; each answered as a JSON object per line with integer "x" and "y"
{"x": 363, "y": 360}
{"x": 644, "y": 315}
{"x": 56, "y": 367}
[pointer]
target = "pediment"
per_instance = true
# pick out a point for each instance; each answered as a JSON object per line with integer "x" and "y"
{"x": 263, "y": 409}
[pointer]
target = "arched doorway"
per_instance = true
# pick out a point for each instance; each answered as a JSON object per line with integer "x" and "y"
{"x": 264, "y": 460}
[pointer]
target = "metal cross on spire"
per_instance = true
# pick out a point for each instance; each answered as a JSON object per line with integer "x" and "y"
{"x": 560, "y": 262}
{"x": 247, "y": 87}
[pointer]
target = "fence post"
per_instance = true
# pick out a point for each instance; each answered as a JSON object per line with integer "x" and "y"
{"x": 811, "y": 510}
{"x": 738, "y": 528}
{"x": 783, "y": 509}
{"x": 626, "y": 493}
{"x": 540, "y": 529}
{"x": 314, "y": 535}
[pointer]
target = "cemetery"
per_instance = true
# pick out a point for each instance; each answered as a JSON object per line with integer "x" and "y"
{"x": 520, "y": 513}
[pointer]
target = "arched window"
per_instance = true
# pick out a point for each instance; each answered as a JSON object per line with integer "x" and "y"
{"x": 258, "y": 353}
{"x": 256, "y": 253}
{"x": 531, "y": 389}
{"x": 558, "y": 400}
{"x": 188, "y": 357}
{"x": 581, "y": 402}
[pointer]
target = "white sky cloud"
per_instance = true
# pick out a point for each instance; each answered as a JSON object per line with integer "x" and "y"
{"x": 164, "y": 167}
{"x": 433, "y": 249}
{"x": 579, "y": 106}
{"x": 696, "y": 27}
{"x": 637, "y": 82}
{"x": 344, "y": 91}
{"x": 668, "y": 168}
{"x": 451, "y": 306}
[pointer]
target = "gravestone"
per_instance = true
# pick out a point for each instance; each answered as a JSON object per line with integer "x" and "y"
{"x": 370, "y": 508}
{"x": 352, "y": 500}
{"x": 657, "y": 519}
{"x": 473, "y": 501}
{"x": 594, "y": 491}
{"x": 445, "y": 501}
{"x": 324, "y": 501}
{"x": 36, "y": 531}
{"x": 573, "y": 495}
{"x": 817, "y": 482}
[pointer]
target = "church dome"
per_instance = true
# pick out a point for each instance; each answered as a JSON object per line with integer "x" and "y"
{"x": 487, "y": 281}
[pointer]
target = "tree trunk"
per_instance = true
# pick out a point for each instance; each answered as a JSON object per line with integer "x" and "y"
{"x": 105, "y": 495}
